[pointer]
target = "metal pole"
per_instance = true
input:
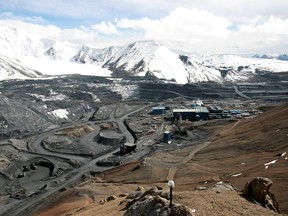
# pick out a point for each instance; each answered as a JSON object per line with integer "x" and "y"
{"x": 171, "y": 185}
{"x": 170, "y": 197}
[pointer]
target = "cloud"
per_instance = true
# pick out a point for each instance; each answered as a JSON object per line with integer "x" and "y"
{"x": 30, "y": 19}
{"x": 264, "y": 35}
{"x": 191, "y": 30}
{"x": 105, "y": 28}
{"x": 236, "y": 10}
{"x": 182, "y": 28}
{"x": 77, "y": 36}
{"x": 108, "y": 10}
{"x": 180, "y": 23}
{"x": 201, "y": 31}
{"x": 89, "y": 12}
{"x": 273, "y": 25}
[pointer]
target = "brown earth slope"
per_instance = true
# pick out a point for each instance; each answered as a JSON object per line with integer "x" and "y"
{"x": 241, "y": 153}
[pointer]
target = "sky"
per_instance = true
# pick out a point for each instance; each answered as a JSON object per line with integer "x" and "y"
{"x": 195, "y": 26}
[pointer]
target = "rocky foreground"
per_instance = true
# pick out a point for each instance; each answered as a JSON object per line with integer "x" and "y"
{"x": 218, "y": 199}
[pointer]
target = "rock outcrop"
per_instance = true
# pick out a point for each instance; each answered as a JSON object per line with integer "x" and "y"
{"x": 222, "y": 187}
{"x": 258, "y": 190}
{"x": 154, "y": 202}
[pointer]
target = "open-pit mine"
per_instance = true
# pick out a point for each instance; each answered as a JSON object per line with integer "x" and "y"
{"x": 107, "y": 135}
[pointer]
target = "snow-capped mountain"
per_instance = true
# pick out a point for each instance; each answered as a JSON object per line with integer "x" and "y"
{"x": 141, "y": 58}
{"x": 35, "y": 51}
{"x": 234, "y": 63}
{"x": 148, "y": 58}
{"x": 13, "y": 69}
{"x": 95, "y": 56}
{"x": 15, "y": 42}
{"x": 282, "y": 57}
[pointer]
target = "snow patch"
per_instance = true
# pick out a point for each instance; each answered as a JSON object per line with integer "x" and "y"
{"x": 167, "y": 65}
{"x": 236, "y": 175}
{"x": 271, "y": 162}
{"x": 52, "y": 97}
{"x": 126, "y": 91}
{"x": 60, "y": 113}
{"x": 283, "y": 154}
{"x": 63, "y": 67}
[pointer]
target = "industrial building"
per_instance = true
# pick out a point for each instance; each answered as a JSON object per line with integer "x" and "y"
{"x": 215, "y": 109}
{"x": 158, "y": 110}
{"x": 167, "y": 137}
{"x": 192, "y": 114}
{"x": 235, "y": 111}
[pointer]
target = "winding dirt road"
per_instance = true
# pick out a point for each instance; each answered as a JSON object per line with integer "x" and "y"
{"x": 26, "y": 206}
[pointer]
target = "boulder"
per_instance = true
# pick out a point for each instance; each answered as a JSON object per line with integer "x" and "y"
{"x": 123, "y": 195}
{"x": 138, "y": 195}
{"x": 112, "y": 197}
{"x": 140, "y": 188}
{"x": 153, "y": 202}
{"x": 102, "y": 201}
{"x": 134, "y": 194}
{"x": 178, "y": 209}
{"x": 156, "y": 206}
{"x": 222, "y": 187}
{"x": 200, "y": 188}
{"x": 258, "y": 191}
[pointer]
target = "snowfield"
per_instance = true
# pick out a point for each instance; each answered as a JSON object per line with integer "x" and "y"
{"x": 61, "y": 67}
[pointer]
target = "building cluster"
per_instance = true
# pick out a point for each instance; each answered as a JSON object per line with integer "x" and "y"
{"x": 196, "y": 112}
{"x": 193, "y": 114}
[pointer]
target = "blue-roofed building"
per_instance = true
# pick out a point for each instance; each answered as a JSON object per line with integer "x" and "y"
{"x": 158, "y": 110}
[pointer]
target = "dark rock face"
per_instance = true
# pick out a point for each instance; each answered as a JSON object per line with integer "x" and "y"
{"x": 51, "y": 52}
{"x": 185, "y": 59}
{"x": 258, "y": 190}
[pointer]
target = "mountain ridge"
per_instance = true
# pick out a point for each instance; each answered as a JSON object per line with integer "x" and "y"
{"x": 140, "y": 58}
{"x": 281, "y": 57}
{"x": 13, "y": 69}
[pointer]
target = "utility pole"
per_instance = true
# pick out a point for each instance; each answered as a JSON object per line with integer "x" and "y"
{"x": 171, "y": 185}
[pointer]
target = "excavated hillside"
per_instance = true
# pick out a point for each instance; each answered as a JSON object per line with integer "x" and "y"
{"x": 235, "y": 152}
